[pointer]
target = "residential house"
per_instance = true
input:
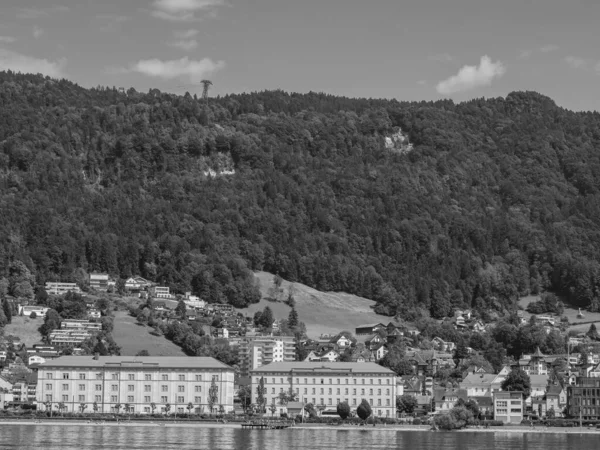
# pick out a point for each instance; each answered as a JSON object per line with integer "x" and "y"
{"x": 555, "y": 399}
{"x": 583, "y": 398}
{"x": 499, "y": 379}
{"x": 534, "y": 364}
{"x": 137, "y": 284}
{"x": 442, "y": 346}
{"x": 509, "y": 406}
{"x": 379, "y": 351}
{"x": 445, "y": 399}
{"x": 99, "y": 281}
{"x": 40, "y": 311}
{"x": 6, "y": 392}
{"x": 161, "y": 292}
{"x": 222, "y": 333}
{"x": 36, "y": 359}
{"x": 478, "y": 326}
{"x": 94, "y": 314}
{"x": 343, "y": 340}
{"x": 478, "y": 384}
{"x": 374, "y": 341}
{"x": 539, "y": 384}
{"x": 58, "y": 288}
{"x": 327, "y": 355}
{"x": 486, "y": 406}
{"x": 367, "y": 329}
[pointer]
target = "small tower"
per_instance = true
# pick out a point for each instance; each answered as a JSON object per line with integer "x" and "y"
{"x": 207, "y": 84}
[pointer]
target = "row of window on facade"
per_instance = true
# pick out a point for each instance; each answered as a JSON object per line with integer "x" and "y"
{"x": 339, "y": 391}
{"x": 339, "y": 400}
{"x": 130, "y": 387}
{"x": 115, "y": 399}
{"x": 131, "y": 376}
{"x": 331, "y": 381}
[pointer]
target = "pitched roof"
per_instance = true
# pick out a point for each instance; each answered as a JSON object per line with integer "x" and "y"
{"x": 478, "y": 379}
{"x": 306, "y": 366}
{"x": 554, "y": 389}
{"x": 538, "y": 380}
{"x": 538, "y": 354}
{"x": 179, "y": 362}
{"x": 484, "y": 401}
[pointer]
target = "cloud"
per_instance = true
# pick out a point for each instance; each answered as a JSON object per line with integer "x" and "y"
{"x": 442, "y": 57}
{"x": 471, "y": 77}
{"x": 422, "y": 82}
{"x": 185, "y": 34}
{"x": 7, "y": 39}
{"x": 111, "y": 21}
{"x": 36, "y": 13}
{"x": 185, "y": 44}
{"x": 183, "y": 10}
{"x": 549, "y": 48}
{"x": 177, "y": 68}
{"x": 37, "y": 32}
{"x": 18, "y": 62}
{"x": 575, "y": 62}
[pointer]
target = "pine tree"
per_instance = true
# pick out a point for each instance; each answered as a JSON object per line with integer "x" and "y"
{"x": 7, "y": 311}
{"x": 593, "y": 333}
{"x": 293, "y": 318}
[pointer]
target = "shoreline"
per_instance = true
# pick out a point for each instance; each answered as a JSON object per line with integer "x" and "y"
{"x": 390, "y": 428}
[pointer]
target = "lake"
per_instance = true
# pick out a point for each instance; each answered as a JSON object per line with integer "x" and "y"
{"x": 172, "y": 437}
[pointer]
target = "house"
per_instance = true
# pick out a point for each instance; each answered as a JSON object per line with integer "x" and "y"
{"x": 58, "y": 288}
{"x": 441, "y": 345}
{"x": 159, "y": 306}
{"x": 40, "y": 311}
{"x": 370, "y": 328}
{"x": 323, "y": 356}
{"x": 36, "y": 359}
{"x": 508, "y": 406}
{"x": 411, "y": 331}
{"x": 161, "y": 292}
{"x": 445, "y": 399}
{"x": 478, "y": 384}
{"x": 193, "y": 301}
{"x": 374, "y": 341}
{"x": 6, "y": 392}
{"x": 222, "y": 333}
{"x": 460, "y": 322}
{"x": 499, "y": 379}
{"x": 94, "y": 314}
{"x": 394, "y": 335}
{"x": 555, "y": 399}
{"x": 478, "y": 327}
{"x": 539, "y": 384}
{"x": 379, "y": 351}
{"x": 137, "y": 284}
{"x": 534, "y": 364}
{"x": 466, "y": 314}
{"x": 343, "y": 340}
{"x": 99, "y": 281}
{"x": 486, "y": 406}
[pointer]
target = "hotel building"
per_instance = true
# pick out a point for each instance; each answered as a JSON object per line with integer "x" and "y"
{"x": 328, "y": 384}
{"x": 137, "y": 382}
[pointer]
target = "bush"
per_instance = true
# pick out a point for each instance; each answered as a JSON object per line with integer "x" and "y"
{"x": 417, "y": 422}
{"x": 33, "y": 315}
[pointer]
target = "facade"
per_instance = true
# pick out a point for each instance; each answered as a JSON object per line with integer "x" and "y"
{"x": 583, "y": 398}
{"x": 161, "y": 292}
{"x": 370, "y": 328}
{"x": 136, "y": 283}
{"x": 478, "y": 384}
{"x": 99, "y": 281}
{"x": 58, "y": 288}
{"x": 136, "y": 382}
{"x": 65, "y": 338}
{"x": 40, "y": 311}
{"x": 256, "y": 351}
{"x": 76, "y": 324}
{"x": 328, "y": 384}
{"x": 508, "y": 406}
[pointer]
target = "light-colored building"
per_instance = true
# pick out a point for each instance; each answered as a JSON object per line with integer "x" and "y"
{"x": 58, "y": 288}
{"x": 136, "y": 283}
{"x": 136, "y": 381}
{"x": 256, "y": 351}
{"x": 40, "y": 311}
{"x": 478, "y": 384}
{"x": 77, "y": 324}
{"x": 161, "y": 292}
{"x": 94, "y": 314}
{"x": 193, "y": 301}
{"x": 99, "y": 281}
{"x": 508, "y": 406}
{"x": 328, "y": 384}
{"x": 65, "y": 338}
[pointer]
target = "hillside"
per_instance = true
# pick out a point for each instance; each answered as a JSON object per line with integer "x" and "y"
{"x": 496, "y": 199}
{"x": 321, "y": 312}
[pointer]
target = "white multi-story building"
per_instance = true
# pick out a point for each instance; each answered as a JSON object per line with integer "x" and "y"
{"x": 77, "y": 324}
{"x": 328, "y": 384}
{"x": 256, "y": 351}
{"x": 161, "y": 292}
{"x": 58, "y": 288}
{"x": 99, "y": 281}
{"x": 139, "y": 382}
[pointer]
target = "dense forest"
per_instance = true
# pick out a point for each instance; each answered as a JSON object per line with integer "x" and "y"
{"x": 495, "y": 199}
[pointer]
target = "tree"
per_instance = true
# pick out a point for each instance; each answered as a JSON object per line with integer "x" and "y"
{"x": 261, "y": 390}
{"x": 95, "y": 407}
{"x": 167, "y": 408}
{"x": 33, "y": 315}
{"x": 180, "y": 309}
{"x": 293, "y": 318}
{"x": 551, "y": 414}
{"x": 82, "y": 407}
{"x": 406, "y": 404}
{"x": 118, "y": 407}
{"x": 153, "y": 407}
{"x": 593, "y": 333}
{"x": 245, "y": 395}
{"x": 517, "y": 380}
{"x": 7, "y": 311}
{"x": 273, "y": 408}
{"x": 189, "y": 407}
{"x": 61, "y": 407}
{"x": 213, "y": 395}
{"x": 266, "y": 318}
{"x": 364, "y": 410}
{"x": 343, "y": 410}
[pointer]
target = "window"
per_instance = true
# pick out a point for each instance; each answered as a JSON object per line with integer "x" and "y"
{"x": 65, "y": 376}
{"x": 163, "y": 400}
{"x": 371, "y": 380}
{"x": 329, "y": 401}
{"x": 147, "y": 399}
{"x": 379, "y": 381}
{"x": 353, "y": 391}
{"x": 387, "y": 392}
{"x": 165, "y": 377}
{"x": 146, "y": 409}
{"x": 113, "y": 398}
{"x": 181, "y": 388}
{"x": 65, "y": 387}
{"x": 297, "y": 380}
{"x": 388, "y": 381}
{"x": 362, "y": 392}
{"x": 147, "y": 388}
{"x": 98, "y": 387}
{"x": 305, "y": 380}
{"x": 130, "y": 387}
{"x": 82, "y": 387}
{"x": 338, "y": 391}
{"x": 82, "y": 376}
{"x": 216, "y": 378}
{"x": 198, "y": 388}
{"x": 353, "y": 402}
{"x": 387, "y": 402}
{"x": 114, "y": 387}
{"x": 378, "y": 402}
{"x": 115, "y": 376}
{"x": 198, "y": 377}
{"x": 305, "y": 390}
{"x": 164, "y": 388}
{"x": 130, "y": 398}
{"x": 363, "y": 381}
{"x": 322, "y": 391}
{"x": 281, "y": 380}
{"x": 48, "y": 397}
{"x": 378, "y": 391}
{"x": 98, "y": 376}
{"x": 147, "y": 377}
{"x": 370, "y": 391}
{"x": 50, "y": 375}
{"x": 329, "y": 391}
{"x": 180, "y": 399}
{"x": 65, "y": 398}
{"x": 346, "y": 391}
{"x": 198, "y": 399}
{"x": 48, "y": 387}
{"x": 314, "y": 391}
{"x": 272, "y": 390}
{"x": 131, "y": 376}
{"x": 98, "y": 398}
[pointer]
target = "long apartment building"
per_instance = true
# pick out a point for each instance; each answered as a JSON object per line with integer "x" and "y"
{"x": 583, "y": 398}
{"x": 256, "y": 351}
{"x": 99, "y": 281}
{"x": 328, "y": 384}
{"x": 58, "y": 288}
{"x": 138, "y": 382}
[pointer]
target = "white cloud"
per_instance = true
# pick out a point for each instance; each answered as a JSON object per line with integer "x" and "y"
{"x": 575, "y": 62}
{"x": 185, "y": 44}
{"x": 442, "y": 57}
{"x": 111, "y": 22}
{"x": 185, "y": 34}
{"x": 36, "y": 13}
{"x": 525, "y": 54}
{"x": 422, "y": 82}
{"x": 471, "y": 77}
{"x": 18, "y": 62}
{"x": 182, "y": 10}
{"x": 549, "y": 48}
{"x": 177, "y": 68}
{"x": 37, "y": 32}
{"x": 7, "y": 39}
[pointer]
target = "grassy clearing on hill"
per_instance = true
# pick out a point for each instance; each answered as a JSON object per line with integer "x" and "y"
{"x": 571, "y": 313}
{"x": 26, "y": 329}
{"x": 322, "y": 312}
{"x": 133, "y": 338}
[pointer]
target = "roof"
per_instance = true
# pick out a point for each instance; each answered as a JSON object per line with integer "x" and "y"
{"x": 179, "y": 362}
{"x": 538, "y": 380}
{"x": 478, "y": 379}
{"x": 483, "y": 401}
{"x": 306, "y": 366}
{"x": 554, "y": 389}
{"x": 369, "y": 325}
{"x": 440, "y": 394}
{"x": 538, "y": 354}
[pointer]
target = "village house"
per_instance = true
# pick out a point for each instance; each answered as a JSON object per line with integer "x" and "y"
{"x": 478, "y": 384}
{"x": 343, "y": 340}
{"x": 369, "y": 329}
{"x": 40, "y": 311}
{"x": 137, "y": 284}
{"x": 327, "y": 355}
{"x": 555, "y": 399}
{"x": 442, "y": 346}
{"x": 508, "y": 406}
{"x": 445, "y": 399}
{"x": 99, "y": 281}
{"x": 58, "y": 288}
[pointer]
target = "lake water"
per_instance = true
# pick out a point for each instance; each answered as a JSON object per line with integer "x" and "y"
{"x": 164, "y": 437}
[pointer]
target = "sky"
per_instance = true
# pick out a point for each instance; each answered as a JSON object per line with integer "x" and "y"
{"x": 403, "y": 49}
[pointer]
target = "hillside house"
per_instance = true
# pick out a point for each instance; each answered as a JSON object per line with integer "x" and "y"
{"x": 478, "y": 384}
{"x": 445, "y": 399}
{"x": 99, "y": 281}
{"x": 161, "y": 292}
{"x": 343, "y": 340}
{"x": 58, "y": 288}
{"x": 137, "y": 284}
{"x": 374, "y": 341}
{"x": 40, "y": 311}
{"x": 442, "y": 346}
{"x": 369, "y": 329}
{"x": 379, "y": 351}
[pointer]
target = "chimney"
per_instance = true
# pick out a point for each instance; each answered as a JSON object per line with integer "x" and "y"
{"x": 96, "y": 356}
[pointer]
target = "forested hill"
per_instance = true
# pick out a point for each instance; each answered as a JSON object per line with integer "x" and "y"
{"x": 497, "y": 198}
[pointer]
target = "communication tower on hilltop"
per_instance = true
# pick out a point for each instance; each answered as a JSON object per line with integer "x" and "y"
{"x": 207, "y": 84}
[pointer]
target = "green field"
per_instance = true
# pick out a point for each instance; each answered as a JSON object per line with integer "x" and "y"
{"x": 133, "y": 338}
{"x": 570, "y": 312}
{"x": 322, "y": 312}
{"x": 26, "y": 329}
